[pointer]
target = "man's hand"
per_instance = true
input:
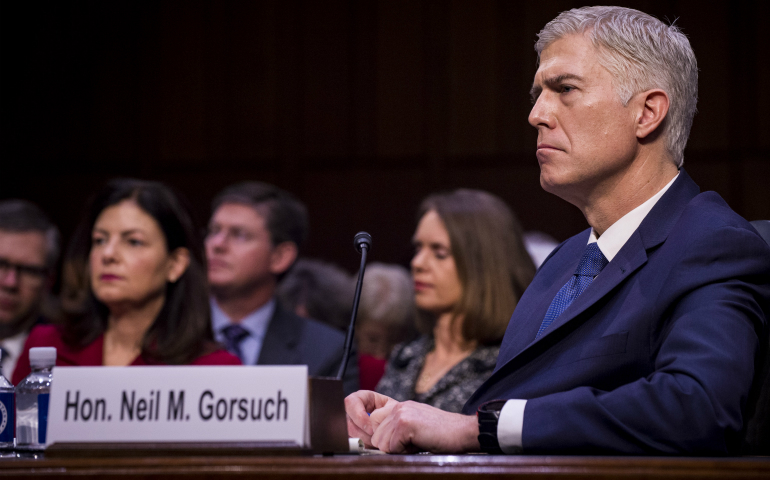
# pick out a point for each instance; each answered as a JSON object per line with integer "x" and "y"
{"x": 409, "y": 427}
{"x": 359, "y": 405}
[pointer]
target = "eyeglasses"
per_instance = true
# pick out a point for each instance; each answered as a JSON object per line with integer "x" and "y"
{"x": 29, "y": 272}
{"x": 233, "y": 234}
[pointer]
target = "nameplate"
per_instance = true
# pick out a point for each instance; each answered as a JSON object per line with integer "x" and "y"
{"x": 178, "y": 404}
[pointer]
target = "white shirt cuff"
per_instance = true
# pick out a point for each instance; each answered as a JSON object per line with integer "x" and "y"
{"x": 510, "y": 425}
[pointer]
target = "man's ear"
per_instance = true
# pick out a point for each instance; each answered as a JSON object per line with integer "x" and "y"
{"x": 179, "y": 261}
{"x": 654, "y": 108}
{"x": 283, "y": 256}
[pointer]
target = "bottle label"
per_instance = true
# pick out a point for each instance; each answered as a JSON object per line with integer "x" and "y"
{"x": 7, "y": 412}
{"x": 42, "y": 417}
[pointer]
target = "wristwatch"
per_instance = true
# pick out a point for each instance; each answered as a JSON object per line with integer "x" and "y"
{"x": 489, "y": 414}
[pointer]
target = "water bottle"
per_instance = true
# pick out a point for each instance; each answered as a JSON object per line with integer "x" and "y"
{"x": 32, "y": 396}
{"x": 7, "y": 412}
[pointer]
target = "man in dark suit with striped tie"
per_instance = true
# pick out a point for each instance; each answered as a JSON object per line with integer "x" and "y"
{"x": 641, "y": 334}
{"x": 254, "y": 236}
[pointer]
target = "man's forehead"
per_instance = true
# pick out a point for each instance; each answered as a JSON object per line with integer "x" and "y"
{"x": 27, "y": 247}
{"x": 570, "y": 55}
{"x": 238, "y": 214}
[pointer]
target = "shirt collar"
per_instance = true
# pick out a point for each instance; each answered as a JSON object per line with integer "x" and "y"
{"x": 256, "y": 322}
{"x": 619, "y": 232}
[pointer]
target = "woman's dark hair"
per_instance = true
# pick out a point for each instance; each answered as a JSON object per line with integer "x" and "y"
{"x": 492, "y": 263}
{"x": 182, "y": 330}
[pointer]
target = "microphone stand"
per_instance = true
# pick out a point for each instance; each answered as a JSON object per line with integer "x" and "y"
{"x": 363, "y": 242}
{"x": 326, "y": 397}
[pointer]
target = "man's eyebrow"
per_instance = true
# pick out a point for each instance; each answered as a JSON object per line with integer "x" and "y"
{"x": 553, "y": 83}
{"x": 534, "y": 92}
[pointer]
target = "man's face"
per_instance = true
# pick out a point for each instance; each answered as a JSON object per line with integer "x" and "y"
{"x": 586, "y": 137}
{"x": 239, "y": 250}
{"x": 23, "y": 277}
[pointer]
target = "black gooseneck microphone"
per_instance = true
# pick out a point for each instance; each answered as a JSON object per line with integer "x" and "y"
{"x": 362, "y": 242}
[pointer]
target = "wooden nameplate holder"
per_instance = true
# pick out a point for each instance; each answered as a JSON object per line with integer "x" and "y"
{"x": 327, "y": 424}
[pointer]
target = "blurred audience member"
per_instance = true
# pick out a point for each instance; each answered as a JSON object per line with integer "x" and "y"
{"x": 470, "y": 268}
{"x": 255, "y": 235}
{"x": 148, "y": 302}
{"x": 386, "y": 317}
{"x": 318, "y": 290}
{"x": 29, "y": 249}
{"x": 539, "y": 245}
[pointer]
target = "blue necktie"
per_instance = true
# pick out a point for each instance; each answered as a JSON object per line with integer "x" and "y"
{"x": 590, "y": 265}
{"x": 234, "y": 335}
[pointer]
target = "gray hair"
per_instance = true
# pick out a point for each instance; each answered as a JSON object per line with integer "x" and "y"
{"x": 22, "y": 216}
{"x": 323, "y": 289}
{"x": 641, "y": 53}
{"x": 387, "y": 295}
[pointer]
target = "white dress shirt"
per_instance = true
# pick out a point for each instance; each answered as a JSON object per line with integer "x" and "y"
{"x": 511, "y": 422}
{"x": 12, "y": 347}
{"x": 255, "y": 323}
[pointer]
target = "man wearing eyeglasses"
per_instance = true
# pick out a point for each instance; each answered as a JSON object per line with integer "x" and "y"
{"x": 29, "y": 248}
{"x": 254, "y": 236}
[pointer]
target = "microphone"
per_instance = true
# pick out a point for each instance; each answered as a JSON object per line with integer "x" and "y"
{"x": 363, "y": 242}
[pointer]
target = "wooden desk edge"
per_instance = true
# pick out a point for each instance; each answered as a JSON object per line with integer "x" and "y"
{"x": 404, "y": 465}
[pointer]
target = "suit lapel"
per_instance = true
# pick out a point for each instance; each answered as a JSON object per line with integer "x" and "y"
{"x": 533, "y": 304}
{"x": 632, "y": 256}
{"x": 651, "y": 232}
{"x": 281, "y": 338}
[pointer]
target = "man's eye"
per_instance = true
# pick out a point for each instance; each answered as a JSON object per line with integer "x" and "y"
{"x": 240, "y": 235}
{"x": 566, "y": 88}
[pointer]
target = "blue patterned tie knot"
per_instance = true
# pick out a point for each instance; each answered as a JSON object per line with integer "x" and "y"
{"x": 592, "y": 262}
{"x": 234, "y": 335}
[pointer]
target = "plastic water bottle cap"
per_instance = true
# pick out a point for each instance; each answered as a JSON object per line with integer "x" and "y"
{"x": 42, "y": 357}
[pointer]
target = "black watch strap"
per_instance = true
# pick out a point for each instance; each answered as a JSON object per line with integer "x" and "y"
{"x": 488, "y": 415}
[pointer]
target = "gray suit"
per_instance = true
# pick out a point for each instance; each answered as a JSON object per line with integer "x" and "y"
{"x": 293, "y": 340}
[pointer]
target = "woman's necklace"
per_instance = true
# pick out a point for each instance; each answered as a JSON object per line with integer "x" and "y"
{"x": 432, "y": 371}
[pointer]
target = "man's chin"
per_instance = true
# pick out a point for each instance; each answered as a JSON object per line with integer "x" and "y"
{"x": 9, "y": 315}
{"x": 549, "y": 184}
{"x": 222, "y": 290}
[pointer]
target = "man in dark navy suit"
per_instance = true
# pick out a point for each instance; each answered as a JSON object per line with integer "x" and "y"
{"x": 254, "y": 236}
{"x": 641, "y": 334}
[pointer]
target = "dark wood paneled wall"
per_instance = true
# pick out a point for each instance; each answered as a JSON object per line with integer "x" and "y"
{"x": 359, "y": 107}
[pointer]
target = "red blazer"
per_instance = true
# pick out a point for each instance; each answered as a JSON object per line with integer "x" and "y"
{"x": 91, "y": 355}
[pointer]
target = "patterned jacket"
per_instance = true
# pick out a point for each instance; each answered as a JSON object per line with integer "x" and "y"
{"x": 452, "y": 391}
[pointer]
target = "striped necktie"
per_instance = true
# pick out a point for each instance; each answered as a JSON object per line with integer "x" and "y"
{"x": 234, "y": 335}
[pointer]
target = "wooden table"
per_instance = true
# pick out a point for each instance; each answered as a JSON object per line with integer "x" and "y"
{"x": 380, "y": 466}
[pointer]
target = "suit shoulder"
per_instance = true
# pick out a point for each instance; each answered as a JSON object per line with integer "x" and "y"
{"x": 708, "y": 210}
{"x": 310, "y": 329}
{"x": 708, "y": 218}
{"x": 318, "y": 330}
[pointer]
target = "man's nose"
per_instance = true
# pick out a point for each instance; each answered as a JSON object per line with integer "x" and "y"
{"x": 217, "y": 241}
{"x": 541, "y": 113}
{"x": 9, "y": 278}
